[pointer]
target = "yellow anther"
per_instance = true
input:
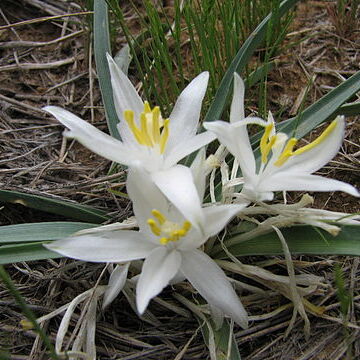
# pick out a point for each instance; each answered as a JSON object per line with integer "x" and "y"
{"x": 153, "y": 130}
{"x": 187, "y": 225}
{"x": 154, "y": 227}
{"x": 319, "y": 140}
{"x": 159, "y": 216}
{"x": 287, "y": 152}
{"x": 144, "y": 130}
{"x": 266, "y": 149}
{"x": 147, "y": 108}
{"x": 265, "y": 143}
{"x": 129, "y": 118}
{"x": 162, "y": 226}
{"x": 156, "y": 125}
{"x": 164, "y": 136}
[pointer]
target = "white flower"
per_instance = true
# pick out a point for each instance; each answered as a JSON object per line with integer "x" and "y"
{"x": 168, "y": 242}
{"x": 282, "y": 168}
{"x": 148, "y": 140}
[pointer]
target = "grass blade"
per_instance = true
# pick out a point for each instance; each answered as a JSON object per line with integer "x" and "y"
{"x": 54, "y": 206}
{"x": 240, "y": 61}
{"x": 27, "y": 312}
{"x": 301, "y": 239}
{"x": 40, "y": 231}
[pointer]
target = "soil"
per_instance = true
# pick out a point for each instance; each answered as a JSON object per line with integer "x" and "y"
{"x": 36, "y": 159}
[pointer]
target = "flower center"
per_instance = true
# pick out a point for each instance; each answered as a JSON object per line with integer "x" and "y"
{"x": 153, "y": 131}
{"x": 267, "y": 142}
{"x": 167, "y": 230}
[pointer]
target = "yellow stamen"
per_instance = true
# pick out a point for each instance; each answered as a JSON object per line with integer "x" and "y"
{"x": 144, "y": 130}
{"x": 319, "y": 140}
{"x": 265, "y": 144}
{"x": 164, "y": 136}
{"x": 156, "y": 125}
{"x": 154, "y": 227}
{"x": 162, "y": 226}
{"x": 147, "y": 108}
{"x": 287, "y": 152}
{"x": 159, "y": 216}
{"x": 129, "y": 118}
{"x": 153, "y": 130}
{"x": 187, "y": 225}
{"x": 266, "y": 149}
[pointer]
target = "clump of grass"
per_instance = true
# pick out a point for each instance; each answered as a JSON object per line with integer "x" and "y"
{"x": 175, "y": 44}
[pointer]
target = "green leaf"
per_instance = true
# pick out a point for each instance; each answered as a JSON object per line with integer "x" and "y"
{"x": 241, "y": 60}
{"x": 25, "y": 252}
{"x": 351, "y": 109}
{"x": 301, "y": 239}
{"x": 101, "y": 47}
{"x": 54, "y": 206}
{"x": 40, "y": 231}
{"x": 222, "y": 337}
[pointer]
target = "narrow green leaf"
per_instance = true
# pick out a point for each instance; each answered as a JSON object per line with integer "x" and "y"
{"x": 259, "y": 74}
{"x": 240, "y": 61}
{"x": 101, "y": 47}
{"x": 351, "y": 109}
{"x": 25, "y": 252}
{"x": 40, "y": 231}
{"x": 54, "y": 206}
{"x": 301, "y": 239}
{"x": 220, "y": 339}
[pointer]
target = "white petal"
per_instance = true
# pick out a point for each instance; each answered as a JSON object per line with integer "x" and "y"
{"x": 92, "y": 138}
{"x": 125, "y": 98}
{"x": 235, "y": 138}
{"x": 315, "y": 158}
{"x": 185, "y": 116}
{"x": 187, "y": 146}
{"x": 116, "y": 283}
{"x": 237, "y": 105}
{"x": 177, "y": 184}
{"x": 211, "y": 282}
{"x": 217, "y": 216}
{"x": 110, "y": 246}
{"x": 300, "y": 182}
{"x": 198, "y": 169}
{"x": 158, "y": 269}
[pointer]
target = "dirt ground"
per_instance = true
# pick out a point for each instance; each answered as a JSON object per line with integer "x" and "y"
{"x": 45, "y": 59}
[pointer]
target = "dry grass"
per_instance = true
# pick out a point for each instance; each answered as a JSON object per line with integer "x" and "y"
{"x": 45, "y": 60}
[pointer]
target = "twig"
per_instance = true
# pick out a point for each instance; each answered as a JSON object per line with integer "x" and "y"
{"x": 42, "y": 19}
{"x": 41, "y": 66}
{"x": 30, "y": 44}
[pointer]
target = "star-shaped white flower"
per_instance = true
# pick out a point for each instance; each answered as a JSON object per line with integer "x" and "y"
{"x": 282, "y": 168}
{"x": 168, "y": 242}
{"x": 147, "y": 140}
